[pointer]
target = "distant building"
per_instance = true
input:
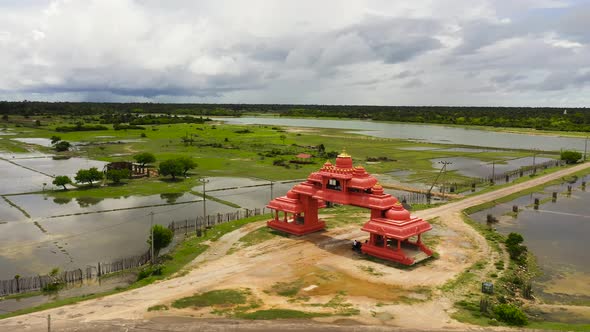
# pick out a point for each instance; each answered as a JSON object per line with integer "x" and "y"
{"x": 136, "y": 170}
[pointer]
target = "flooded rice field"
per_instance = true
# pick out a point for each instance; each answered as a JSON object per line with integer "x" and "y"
{"x": 40, "y": 206}
{"x": 32, "y": 172}
{"x": 33, "y": 246}
{"x": 46, "y": 142}
{"x": 17, "y": 179}
{"x": 22, "y": 155}
{"x": 557, "y": 233}
{"x": 53, "y": 167}
{"x": 246, "y": 192}
{"x": 472, "y": 167}
{"x": 39, "y": 232}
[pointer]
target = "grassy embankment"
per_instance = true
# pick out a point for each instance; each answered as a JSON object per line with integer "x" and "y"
{"x": 172, "y": 265}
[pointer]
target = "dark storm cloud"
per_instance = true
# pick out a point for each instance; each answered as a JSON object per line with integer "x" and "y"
{"x": 115, "y": 80}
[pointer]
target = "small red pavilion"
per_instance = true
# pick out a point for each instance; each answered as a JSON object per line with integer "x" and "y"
{"x": 393, "y": 233}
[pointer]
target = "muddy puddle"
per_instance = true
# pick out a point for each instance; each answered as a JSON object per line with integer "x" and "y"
{"x": 557, "y": 233}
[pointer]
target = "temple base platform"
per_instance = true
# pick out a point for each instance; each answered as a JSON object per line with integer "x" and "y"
{"x": 295, "y": 228}
{"x": 409, "y": 254}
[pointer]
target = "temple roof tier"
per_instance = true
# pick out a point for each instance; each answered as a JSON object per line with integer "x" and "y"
{"x": 396, "y": 230}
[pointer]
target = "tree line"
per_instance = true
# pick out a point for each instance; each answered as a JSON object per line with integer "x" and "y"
{"x": 543, "y": 118}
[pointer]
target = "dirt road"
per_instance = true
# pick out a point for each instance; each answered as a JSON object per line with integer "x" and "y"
{"x": 284, "y": 259}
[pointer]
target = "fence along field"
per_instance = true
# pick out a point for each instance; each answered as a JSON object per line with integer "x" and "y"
{"x": 199, "y": 225}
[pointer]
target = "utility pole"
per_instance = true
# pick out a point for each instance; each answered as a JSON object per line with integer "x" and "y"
{"x": 493, "y": 171}
{"x": 152, "y": 236}
{"x": 204, "y": 197}
{"x": 271, "y": 185}
{"x": 534, "y": 156}
{"x": 444, "y": 171}
{"x": 585, "y": 147}
{"x": 48, "y": 323}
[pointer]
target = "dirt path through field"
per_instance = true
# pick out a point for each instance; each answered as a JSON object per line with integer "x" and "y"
{"x": 284, "y": 259}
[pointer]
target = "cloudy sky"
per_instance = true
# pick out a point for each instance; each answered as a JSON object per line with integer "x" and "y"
{"x": 419, "y": 52}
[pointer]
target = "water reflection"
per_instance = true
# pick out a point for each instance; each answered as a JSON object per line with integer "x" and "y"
{"x": 85, "y": 202}
{"x": 61, "y": 200}
{"x": 171, "y": 198}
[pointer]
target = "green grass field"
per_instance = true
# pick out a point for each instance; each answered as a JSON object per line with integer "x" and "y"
{"x": 242, "y": 151}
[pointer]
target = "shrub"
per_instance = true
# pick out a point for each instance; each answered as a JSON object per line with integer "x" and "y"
{"x": 80, "y": 127}
{"x": 144, "y": 158}
{"x": 187, "y": 164}
{"x": 279, "y": 162}
{"x": 514, "y": 246}
{"x": 116, "y": 175}
{"x": 172, "y": 167}
{"x": 62, "y": 146}
{"x": 88, "y": 175}
{"x": 571, "y": 157}
{"x": 62, "y": 180}
{"x": 52, "y": 287}
{"x": 510, "y": 314}
{"x": 162, "y": 236}
{"x": 151, "y": 270}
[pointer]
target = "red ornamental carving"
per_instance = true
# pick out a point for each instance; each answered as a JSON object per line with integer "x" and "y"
{"x": 390, "y": 226}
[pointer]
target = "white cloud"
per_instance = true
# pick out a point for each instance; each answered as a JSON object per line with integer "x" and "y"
{"x": 331, "y": 51}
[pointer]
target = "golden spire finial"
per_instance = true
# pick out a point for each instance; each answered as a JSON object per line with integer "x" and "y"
{"x": 343, "y": 153}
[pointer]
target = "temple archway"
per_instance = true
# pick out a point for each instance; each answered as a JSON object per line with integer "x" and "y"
{"x": 390, "y": 226}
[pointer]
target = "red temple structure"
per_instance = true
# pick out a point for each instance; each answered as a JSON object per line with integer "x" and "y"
{"x": 391, "y": 228}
